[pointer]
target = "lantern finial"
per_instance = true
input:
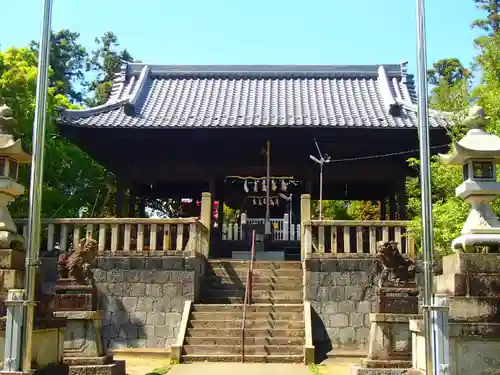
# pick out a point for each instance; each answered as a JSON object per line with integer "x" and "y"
{"x": 476, "y": 118}
{"x": 7, "y": 122}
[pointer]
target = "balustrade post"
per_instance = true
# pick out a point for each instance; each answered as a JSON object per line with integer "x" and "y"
{"x": 206, "y": 217}
{"x": 286, "y": 227}
{"x": 305, "y": 216}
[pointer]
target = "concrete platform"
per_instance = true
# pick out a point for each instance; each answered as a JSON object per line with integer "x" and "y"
{"x": 259, "y": 255}
{"x": 206, "y": 368}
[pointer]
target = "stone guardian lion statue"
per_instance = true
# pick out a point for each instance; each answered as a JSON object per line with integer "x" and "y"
{"x": 77, "y": 264}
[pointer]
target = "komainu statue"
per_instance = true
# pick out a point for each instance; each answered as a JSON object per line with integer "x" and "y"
{"x": 77, "y": 264}
{"x": 396, "y": 270}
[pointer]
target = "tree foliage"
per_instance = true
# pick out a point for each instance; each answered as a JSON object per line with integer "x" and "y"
{"x": 452, "y": 92}
{"x": 74, "y": 185}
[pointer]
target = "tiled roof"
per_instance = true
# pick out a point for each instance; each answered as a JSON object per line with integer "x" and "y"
{"x": 170, "y": 96}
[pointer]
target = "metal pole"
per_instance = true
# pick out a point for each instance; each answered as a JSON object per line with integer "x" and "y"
{"x": 425, "y": 184}
{"x": 440, "y": 329}
{"x": 268, "y": 190}
{"x": 321, "y": 190}
{"x": 290, "y": 210}
{"x": 36, "y": 183}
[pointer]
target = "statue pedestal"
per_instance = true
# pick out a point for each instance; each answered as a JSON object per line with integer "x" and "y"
{"x": 390, "y": 345}
{"x": 390, "y": 348}
{"x": 72, "y": 295}
{"x": 84, "y": 351}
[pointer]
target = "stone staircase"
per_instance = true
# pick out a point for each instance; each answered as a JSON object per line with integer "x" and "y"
{"x": 274, "y": 328}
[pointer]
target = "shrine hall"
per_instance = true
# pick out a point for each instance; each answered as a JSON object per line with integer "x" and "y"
{"x": 246, "y": 134}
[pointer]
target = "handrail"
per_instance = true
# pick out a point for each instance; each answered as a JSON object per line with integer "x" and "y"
{"x": 114, "y": 220}
{"x": 358, "y": 223}
{"x": 248, "y": 297}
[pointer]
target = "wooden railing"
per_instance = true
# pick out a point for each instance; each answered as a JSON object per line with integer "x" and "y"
{"x": 125, "y": 235}
{"x": 353, "y": 237}
{"x": 247, "y": 300}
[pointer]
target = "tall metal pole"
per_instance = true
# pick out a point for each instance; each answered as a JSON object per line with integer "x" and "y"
{"x": 425, "y": 184}
{"x": 36, "y": 183}
{"x": 267, "y": 226}
{"x": 321, "y": 190}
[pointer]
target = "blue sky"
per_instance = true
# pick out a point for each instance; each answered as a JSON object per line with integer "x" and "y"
{"x": 256, "y": 31}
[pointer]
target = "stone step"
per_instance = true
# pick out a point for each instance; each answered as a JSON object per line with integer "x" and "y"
{"x": 236, "y": 340}
{"x": 256, "y": 279}
{"x": 199, "y": 307}
{"x": 255, "y": 324}
{"x": 233, "y": 315}
{"x": 258, "y": 264}
{"x": 250, "y": 332}
{"x": 279, "y": 294}
{"x": 255, "y": 286}
{"x": 256, "y": 358}
{"x": 241, "y": 273}
{"x": 249, "y": 349}
{"x": 255, "y": 300}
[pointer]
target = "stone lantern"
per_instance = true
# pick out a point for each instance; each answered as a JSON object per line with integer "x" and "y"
{"x": 478, "y": 153}
{"x": 11, "y": 156}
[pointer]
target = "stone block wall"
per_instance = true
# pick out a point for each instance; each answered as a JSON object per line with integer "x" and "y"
{"x": 342, "y": 294}
{"x": 142, "y": 297}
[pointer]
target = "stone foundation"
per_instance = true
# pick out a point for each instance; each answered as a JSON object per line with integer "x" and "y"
{"x": 142, "y": 297}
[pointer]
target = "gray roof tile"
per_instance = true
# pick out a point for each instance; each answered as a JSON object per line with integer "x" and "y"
{"x": 160, "y": 96}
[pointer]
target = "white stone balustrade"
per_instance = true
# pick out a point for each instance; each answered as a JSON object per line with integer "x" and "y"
{"x": 126, "y": 235}
{"x": 353, "y": 236}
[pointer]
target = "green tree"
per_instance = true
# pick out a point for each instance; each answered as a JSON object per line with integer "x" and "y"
{"x": 451, "y": 92}
{"x": 104, "y": 62}
{"x": 74, "y": 181}
{"x": 68, "y": 61}
{"x": 450, "y": 71}
{"x": 490, "y": 24}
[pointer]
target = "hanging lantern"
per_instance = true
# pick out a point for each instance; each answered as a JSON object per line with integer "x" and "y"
{"x": 254, "y": 201}
{"x": 245, "y": 186}
{"x": 264, "y": 187}
{"x": 284, "y": 186}
{"x": 274, "y": 185}
{"x": 256, "y": 187}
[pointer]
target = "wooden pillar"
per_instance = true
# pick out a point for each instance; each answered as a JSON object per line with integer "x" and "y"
{"x": 142, "y": 207}
{"x": 206, "y": 218}
{"x": 309, "y": 187}
{"x": 211, "y": 187}
{"x": 392, "y": 207}
{"x": 306, "y": 230}
{"x": 120, "y": 198}
{"x": 132, "y": 201}
{"x": 383, "y": 209}
{"x": 402, "y": 200}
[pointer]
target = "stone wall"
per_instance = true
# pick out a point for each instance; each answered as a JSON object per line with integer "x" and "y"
{"x": 142, "y": 297}
{"x": 342, "y": 293}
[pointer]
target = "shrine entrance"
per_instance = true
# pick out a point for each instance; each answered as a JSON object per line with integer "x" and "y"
{"x": 264, "y": 204}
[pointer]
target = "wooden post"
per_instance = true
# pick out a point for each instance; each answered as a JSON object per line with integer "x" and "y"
{"x": 383, "y": 209}
{"x": 402, "y": 199}
{"x": 120, "y": 195}
{"x": 305, "y": 215}
{"x": 142, "y": 207}
{"x": 206, "y": 217}
{"x": 132, "y": 200}
{"x": 392, "y": 207}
